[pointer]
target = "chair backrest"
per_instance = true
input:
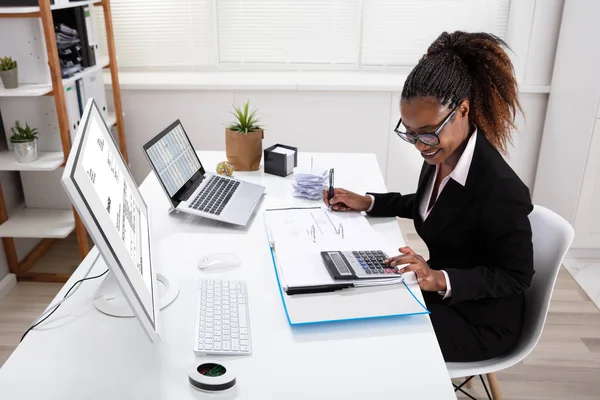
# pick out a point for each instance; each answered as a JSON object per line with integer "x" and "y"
{"x": 552, "y": 237}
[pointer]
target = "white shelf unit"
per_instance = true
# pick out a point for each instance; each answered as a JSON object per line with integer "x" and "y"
{"x": 47, "y": 213}
{"x": 48, "y": 161}
{"x": 41, "y": 89}
{"x": 39, "y": 223}
{"x": 36, "y": 9}
{"x": 27, "y": 90}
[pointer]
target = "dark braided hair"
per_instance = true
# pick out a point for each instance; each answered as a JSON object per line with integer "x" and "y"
{"x": 470, "y": 66}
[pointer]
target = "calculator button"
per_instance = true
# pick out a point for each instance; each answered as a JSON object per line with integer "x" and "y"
{"x": 368, "y": 271}
{"x": 365, "y": 267}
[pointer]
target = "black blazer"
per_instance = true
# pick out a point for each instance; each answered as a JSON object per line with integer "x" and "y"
{"x": 479, "y": 234}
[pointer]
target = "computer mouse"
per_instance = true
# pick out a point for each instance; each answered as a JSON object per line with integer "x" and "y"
{"x": 220, "y": 261}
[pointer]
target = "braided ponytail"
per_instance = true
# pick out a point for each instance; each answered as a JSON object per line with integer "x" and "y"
{"x": 470, "y": 66}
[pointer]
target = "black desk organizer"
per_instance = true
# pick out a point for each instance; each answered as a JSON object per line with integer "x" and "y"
{"x": 277, "y": 163}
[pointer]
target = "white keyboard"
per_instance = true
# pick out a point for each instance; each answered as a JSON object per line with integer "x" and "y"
{"x": 223, "y": 325}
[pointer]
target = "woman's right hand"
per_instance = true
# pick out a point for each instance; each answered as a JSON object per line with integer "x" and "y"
{"x": 344, "y": 200}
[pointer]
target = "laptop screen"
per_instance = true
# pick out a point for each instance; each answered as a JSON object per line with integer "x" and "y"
{"x": 174, "y": 159}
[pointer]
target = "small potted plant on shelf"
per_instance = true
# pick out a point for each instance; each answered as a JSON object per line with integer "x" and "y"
{"x": 9, "y": 73}
{"x": 243, "y": 139}
{"x": 24, "y": 142}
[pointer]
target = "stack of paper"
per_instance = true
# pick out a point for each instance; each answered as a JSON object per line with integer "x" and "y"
{"x": 69, "y": 50}
{"x": 309, "y": 183}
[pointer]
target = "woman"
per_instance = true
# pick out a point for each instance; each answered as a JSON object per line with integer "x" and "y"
{"x": 471, "y": 209}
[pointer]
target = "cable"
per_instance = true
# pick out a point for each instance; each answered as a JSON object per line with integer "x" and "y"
{"x": 66, "y": 296}
{"x": 55, "y": 307}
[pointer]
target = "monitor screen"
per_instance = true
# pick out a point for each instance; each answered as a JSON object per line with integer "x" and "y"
{"x": 108, "y": 201}
{"x": 174, "y": 159}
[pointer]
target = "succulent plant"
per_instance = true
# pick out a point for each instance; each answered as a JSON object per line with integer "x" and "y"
{"x": 21, "y": 134}
{"x": 7, "y": 63}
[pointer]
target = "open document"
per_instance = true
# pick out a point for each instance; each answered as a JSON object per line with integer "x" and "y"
{"x": 298, "y": 236}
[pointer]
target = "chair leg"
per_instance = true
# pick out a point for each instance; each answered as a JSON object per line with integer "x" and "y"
{"x": 458, "y": 388}
{"x": 494, "y": 387}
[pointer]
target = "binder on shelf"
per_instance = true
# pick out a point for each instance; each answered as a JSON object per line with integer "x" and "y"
{"x": 90, "y": 33}
{"x": 81, "y": 97}
{"x": 93, "y": 87}
{"x": 72, "y": 104}
{"x": 296, "y": 238}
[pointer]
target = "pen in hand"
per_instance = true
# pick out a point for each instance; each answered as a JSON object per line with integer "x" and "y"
{"x": 331, "y": 192}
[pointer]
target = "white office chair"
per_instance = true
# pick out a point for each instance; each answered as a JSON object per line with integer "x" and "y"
{"x": 552, "y": 236}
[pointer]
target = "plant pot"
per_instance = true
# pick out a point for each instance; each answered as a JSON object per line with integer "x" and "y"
{"x": 244, "y": 150}
{"x": 10, "y": 78}
{"x": 25, "y": 152}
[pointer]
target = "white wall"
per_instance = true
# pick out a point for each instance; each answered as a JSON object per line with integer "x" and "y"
{"x": 314, "y": 121}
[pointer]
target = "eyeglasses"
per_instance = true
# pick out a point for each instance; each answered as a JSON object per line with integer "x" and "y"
{"x": 430, "y": 139}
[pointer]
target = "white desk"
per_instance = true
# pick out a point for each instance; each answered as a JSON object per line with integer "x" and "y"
{"x": 83, "y": 354}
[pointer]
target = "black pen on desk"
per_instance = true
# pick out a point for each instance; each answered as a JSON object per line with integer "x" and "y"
{"x": 331, "y": 191}
{"x": 318, "y": 288}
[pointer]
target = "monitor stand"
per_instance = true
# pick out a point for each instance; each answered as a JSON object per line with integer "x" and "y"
{"x": 110, "y": 300}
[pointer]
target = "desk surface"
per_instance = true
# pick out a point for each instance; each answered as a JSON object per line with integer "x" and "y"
{"x": 83, "y": 354}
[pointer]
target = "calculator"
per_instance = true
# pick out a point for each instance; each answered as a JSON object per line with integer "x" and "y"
{"x": 358, "y": 265}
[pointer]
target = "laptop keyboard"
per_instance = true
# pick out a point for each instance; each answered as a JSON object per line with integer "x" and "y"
{"x": 215, "y": 195}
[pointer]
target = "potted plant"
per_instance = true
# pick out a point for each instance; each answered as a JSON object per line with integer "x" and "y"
{"x": 24, "y": 142}
{"x": 243, "y": 139}
{"x": 9, "y": 73}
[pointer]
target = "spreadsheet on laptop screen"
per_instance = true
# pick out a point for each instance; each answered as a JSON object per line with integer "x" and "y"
{"x": 174, "y": 159}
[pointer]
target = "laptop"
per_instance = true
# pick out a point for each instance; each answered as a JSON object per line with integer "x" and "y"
{"x": 193, "y": 190}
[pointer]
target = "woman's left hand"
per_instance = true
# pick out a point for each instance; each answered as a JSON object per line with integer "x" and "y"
{"x": 429, "y": 279}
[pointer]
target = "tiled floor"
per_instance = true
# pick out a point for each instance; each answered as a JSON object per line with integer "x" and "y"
{"x": 587, "y": 274}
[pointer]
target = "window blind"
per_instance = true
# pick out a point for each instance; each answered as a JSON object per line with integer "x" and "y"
{"x": 288, "y": 31}
{"x": 398, "y": 32}
{"x": 347, "y": 34}
{"x": 161, "y": 33}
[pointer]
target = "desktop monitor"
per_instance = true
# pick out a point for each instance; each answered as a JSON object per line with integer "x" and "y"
{"x": 107, "y": 199}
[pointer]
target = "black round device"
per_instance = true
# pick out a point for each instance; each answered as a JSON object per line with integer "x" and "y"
{"x": 212, "y": 377}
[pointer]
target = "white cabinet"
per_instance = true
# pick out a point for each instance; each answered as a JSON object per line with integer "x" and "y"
{"x": 587, "y": 217}
{"x": 568, "y": 174}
